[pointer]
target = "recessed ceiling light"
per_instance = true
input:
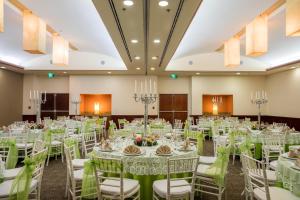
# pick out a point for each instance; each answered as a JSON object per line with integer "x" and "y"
{"x": 197, "y": 73}
{"x": 109, "y": 72}
{"x": 134, "y": 41}
{"x": 3, "y": 67}
{"x": 163, "y": 3}
{"x": 154, "y": 58}
{"x": 152, "y": 68}
{"x": 137, "y": 57}
{"x": 138, "y": 68}
{"x": 128, "y": 2}
{"x": 238, "y": 73}
{"x": 156, "y": 41}
{"x": 65, "y": 72}
{"x": 293, "y": 68}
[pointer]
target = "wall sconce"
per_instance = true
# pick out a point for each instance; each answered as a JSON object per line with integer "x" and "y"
{"x": 215, "y": 109}
{"x": 96, "y": 108}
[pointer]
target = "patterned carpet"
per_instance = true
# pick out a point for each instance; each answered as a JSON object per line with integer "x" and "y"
{"x": 54, "y": 180}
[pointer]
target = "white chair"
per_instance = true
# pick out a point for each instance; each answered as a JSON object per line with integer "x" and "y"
{"x": 116, "y": 187}
{"x": 89, "y": 141}
{"x": 9, "y": 174}
{"x": 35, "y": 185}
{"x": 56, "y": 146}
{"x": 74, "y": 177}
{"x": 272, "y": 148}
{"x": 257, "y": 180}
{"x": 177, "y": 188}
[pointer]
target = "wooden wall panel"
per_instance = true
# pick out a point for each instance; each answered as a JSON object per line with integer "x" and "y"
{"x": 180, "y": 102}
{"x": 165, "y": 102}
{"x": 62, "y": 102}
{"x": 49, "y": 104}
{"x": 168, "y": 116}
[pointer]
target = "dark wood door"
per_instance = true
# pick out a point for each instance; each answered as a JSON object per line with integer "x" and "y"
{"x": 56, "y": 105}
{"x": 173, "y": 106}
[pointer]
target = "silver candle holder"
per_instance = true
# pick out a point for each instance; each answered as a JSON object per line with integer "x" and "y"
{"x": 76, "y": 102}
{"x": 36, "y": 98}
{"x": 259, "y": 99}
{"x": 146, "y": 96}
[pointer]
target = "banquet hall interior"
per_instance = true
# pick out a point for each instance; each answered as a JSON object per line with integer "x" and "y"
{"x": 150, "y": 99}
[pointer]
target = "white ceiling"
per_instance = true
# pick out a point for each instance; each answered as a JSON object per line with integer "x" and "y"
{"x": 80, "y": 25}
{"x": 215, "y": 22}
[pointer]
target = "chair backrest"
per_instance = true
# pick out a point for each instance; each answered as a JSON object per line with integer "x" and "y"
{"x": 104, "y": 167}
{"x": 40, "y": 158}
{"x": 38, "y": 146}
{"x": 4, "y": 147}
{"x": 255, "y": 171}
{"x": 181, "y": 165}
{"x": 69, "y": 152}
{"x": 89, "y": 141}
{"x": 219, "y": 141}
{"x": 273, "y": 140}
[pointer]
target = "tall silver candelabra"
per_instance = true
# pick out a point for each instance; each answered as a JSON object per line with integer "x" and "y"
{"x": 146, "y": 98}
{"x": 259, "y": 99}
{"x": 37, "y": 99}
{"x": 76, "y": 102}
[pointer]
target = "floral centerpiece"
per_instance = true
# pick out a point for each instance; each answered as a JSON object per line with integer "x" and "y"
{"x": 149, "y": 140}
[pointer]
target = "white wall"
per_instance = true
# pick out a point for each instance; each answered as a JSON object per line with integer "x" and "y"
{"x": 284, "y": 93}
{"x": 58, "y": 84}
{"x": 238, "y": 86}
{"x": 120, "y": 87}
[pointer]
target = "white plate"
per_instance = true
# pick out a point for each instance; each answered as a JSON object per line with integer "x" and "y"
{"x": 106, "y": 150}
{"x": 285, "y": 155}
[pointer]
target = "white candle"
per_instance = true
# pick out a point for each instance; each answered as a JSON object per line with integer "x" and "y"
{"x": 150, "y": 87}
{"x": 146, "y": 91}
{"x": 30, "y": 94}
{"x": 154, "y": 86}
{"x": 45, "y": 96}
{"x": 135, "y": 86}
{"x": 266, "y": 95}
{"x": 251, "y": 96}
{"x": 256, "y": 95}
{"x": 141, "y": 87}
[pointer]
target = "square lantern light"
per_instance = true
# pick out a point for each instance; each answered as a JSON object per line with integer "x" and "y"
{"x": 60, "y": 51}
{"x": 257, "y": 36}
{"x": 1, "y": 15}
{"x": 34, "y": 33}
{"x": 292, "y": 17}
{"x": 232, "y": 55}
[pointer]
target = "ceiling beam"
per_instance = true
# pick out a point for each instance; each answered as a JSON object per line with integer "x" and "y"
{"x": 267, "y": 12}
{"x": 21, "y": 7}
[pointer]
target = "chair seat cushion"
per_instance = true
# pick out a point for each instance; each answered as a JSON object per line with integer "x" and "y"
{"x": 24, "y": 145}
{"x": 11, "y": 173}
{"x": 160, "y": 187}
{"x": 271, "y": 175}
{"x": 201, "y": 170}
{"x": 79, "y": 163}
{"x": 276, "y": 193}
{"x": 78, "y": 174}
{"x": 207, "y": 159}
{"x": 6, "y": 186}
{"x": 56, "y": 143}
{"x": 274, "y": 164}
{"x": 129, "y": 186}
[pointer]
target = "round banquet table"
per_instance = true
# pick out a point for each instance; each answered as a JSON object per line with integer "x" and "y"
{"x": 288, "y": 174}
{"x": 147, "y": 167}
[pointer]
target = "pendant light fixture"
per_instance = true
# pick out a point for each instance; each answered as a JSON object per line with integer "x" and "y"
{"x": 257, "y": 36}
{"x": 1, "y": 15}
{"x": 60, "y": 51}
{"x": 292, "y": 17}
{"x": 34, "y": 33}
{"x": 232, "y": 56}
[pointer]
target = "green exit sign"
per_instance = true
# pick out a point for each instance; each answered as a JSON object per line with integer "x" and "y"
{"x": 51, "y": 75}
{"x": 173, "y": 76}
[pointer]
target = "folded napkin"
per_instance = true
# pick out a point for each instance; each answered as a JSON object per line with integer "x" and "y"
{"x": 298, "y": 162}
{"x": 163, "y": 149}
{"x": 186, "y": 144}
{"x": 292, "y": 154}
{"x": 105, "y": 145}
{"x": 132, "y": 149}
